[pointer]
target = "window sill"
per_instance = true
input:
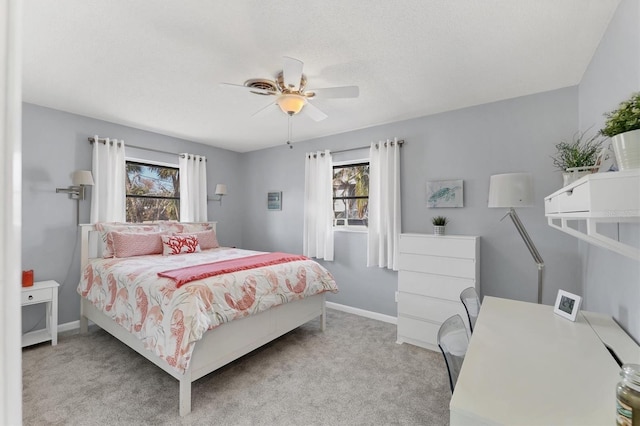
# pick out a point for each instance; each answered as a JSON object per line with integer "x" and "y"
{"x": 354, "y": 229}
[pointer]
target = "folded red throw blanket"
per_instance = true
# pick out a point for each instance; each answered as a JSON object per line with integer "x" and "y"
{"x": 197, "y": 272}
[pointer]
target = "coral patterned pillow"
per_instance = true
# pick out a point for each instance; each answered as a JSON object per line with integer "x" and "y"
{"x": 177, "y": 244}
{"x": 206, "y": 239}
{"x": 128, "y": 244}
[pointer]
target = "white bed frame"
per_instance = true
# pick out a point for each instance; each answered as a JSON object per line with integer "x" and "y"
{"x": 219, "y": 346}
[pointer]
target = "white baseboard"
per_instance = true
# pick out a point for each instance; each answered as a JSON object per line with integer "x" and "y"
{"x": 69, "y": 326}
{"x": 362, "y": 312}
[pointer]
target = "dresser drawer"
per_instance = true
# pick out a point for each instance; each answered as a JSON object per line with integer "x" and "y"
{"x": 439, "y": 286}
{"x": 36, "y": 295}
{"x": 420, "y": 331}
{"x": 462, "y": 268}
{"x": 427, "y": 308}
{"x": 444, "y": 246}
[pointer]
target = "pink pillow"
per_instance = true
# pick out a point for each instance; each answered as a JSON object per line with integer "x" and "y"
{"x": 106, "y": 229}
{"x": 131, "y": 244}
{"x": 206, "y": 239}
{"x": 171, "y": 226}
{"x": 178, "y": 244}
{"x": 191, "y": 227}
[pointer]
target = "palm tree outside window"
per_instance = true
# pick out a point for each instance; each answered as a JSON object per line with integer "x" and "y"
{"x": 351, "y": 194}
{"x": 152, "y": 192}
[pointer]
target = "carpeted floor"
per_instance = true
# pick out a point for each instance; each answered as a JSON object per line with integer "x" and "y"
{"x": 352, "y": 374}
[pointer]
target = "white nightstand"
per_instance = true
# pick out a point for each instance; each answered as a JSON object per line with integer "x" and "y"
{"x": 42, "y": 292}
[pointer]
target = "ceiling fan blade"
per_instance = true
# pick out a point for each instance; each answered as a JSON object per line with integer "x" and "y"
{"x": 313, "y": 112}
{"x": 292, "y": 72}
{"x": 248, "y": 89}
{"x": 335, "y": 92}
{"x": 263, "y": 109}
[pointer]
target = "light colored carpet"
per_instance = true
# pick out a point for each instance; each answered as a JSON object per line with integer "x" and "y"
{"x": 352, "y": 374}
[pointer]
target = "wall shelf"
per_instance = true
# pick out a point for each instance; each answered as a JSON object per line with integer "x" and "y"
{"x": 599, "y": 198}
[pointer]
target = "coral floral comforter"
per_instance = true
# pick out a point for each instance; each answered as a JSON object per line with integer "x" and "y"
{"x": 169, "y": 320}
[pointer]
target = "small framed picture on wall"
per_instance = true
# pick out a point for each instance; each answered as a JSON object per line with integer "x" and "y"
{"x": 445, "y": 193}
{"x": 567, "y": 305}
{"x": 274, "y": 200}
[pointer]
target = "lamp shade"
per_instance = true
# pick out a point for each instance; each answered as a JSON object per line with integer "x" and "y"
{"x": 511, "y": 190}
{"x": 291, "y": 104}
{"x": 82, "y": 177}
{"x": 221, "y": 189}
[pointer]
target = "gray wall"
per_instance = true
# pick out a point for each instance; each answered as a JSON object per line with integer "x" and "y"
{"x": 471, "y": 144}
{"x": 54, "y": 144}
{"x": 612, "y": 281}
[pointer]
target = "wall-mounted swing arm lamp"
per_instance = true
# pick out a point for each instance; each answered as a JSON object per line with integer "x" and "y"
{"x": 79, "y": 180}
{"x": 512, "y": 190}
{"x": 221, "y": 190}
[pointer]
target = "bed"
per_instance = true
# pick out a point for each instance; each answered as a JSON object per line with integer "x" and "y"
{"x": 191, "y": 327}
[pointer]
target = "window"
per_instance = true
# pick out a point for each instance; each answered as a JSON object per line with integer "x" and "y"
{"x": 153, "y": 192}
{"x": 351, "y": 194}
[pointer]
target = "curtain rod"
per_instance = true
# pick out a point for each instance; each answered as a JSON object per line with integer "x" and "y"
{"x": 101, "y": 140}
{"x": 400, "y": 143}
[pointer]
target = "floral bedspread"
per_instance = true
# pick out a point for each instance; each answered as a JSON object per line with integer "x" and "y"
{"x": 169, "y": 320}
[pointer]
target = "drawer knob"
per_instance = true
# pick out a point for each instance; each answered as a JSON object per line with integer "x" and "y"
{"x": 30, "y": 297}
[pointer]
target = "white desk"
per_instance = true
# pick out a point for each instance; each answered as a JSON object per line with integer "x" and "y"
{"x": 527, "y": 366}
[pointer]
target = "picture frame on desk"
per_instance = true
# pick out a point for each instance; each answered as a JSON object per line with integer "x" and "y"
{"x": 567, "y": 305}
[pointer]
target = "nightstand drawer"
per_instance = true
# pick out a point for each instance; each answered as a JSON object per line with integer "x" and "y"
{"x": 36, "y": 295}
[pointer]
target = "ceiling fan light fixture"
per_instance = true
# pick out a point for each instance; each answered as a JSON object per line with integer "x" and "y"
{"x": 291, "y": 104}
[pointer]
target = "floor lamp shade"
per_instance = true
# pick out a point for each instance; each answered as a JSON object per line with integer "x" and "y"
{"x": 511, "y": 190}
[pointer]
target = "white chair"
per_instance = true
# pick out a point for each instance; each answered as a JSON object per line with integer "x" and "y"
{"x": 453, "y": 342}
{"x": 471, "y": 301}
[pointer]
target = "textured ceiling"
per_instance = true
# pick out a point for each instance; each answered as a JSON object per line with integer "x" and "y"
{"x": 157, "y": 65}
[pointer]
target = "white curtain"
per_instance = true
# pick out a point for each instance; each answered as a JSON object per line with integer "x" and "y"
{"x": 108, "y": 196}
{"x": 193, "y": 188}
{"x": 318, "y": 206}
{"x": 384, "y": 205}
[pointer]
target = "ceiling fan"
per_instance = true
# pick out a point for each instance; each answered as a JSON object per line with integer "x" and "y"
{"x": 290, "y": 91}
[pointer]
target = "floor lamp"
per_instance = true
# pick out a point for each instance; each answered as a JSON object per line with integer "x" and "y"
{"x": 512, "y": 190}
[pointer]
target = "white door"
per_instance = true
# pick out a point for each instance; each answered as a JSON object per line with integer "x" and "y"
{"x": 10, "y": 213}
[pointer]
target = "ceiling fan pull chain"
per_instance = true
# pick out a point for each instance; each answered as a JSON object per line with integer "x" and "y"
{"x": 289, "y": 125}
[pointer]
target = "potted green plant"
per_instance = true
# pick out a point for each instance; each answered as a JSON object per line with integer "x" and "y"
{"x": 577, "y": 157}
{"x": 439, "y": 222}
{"x": 623, "y": 127}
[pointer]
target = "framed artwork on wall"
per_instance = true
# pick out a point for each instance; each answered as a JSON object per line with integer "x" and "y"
{"x": 445, "y": 193}
{"x": 274, "y": 200}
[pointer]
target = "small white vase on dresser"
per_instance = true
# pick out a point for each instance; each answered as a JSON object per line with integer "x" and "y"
{"x": 626, "y": 147}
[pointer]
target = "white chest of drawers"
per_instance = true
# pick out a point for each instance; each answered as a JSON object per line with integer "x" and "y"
{"x": 433, "y": 270}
